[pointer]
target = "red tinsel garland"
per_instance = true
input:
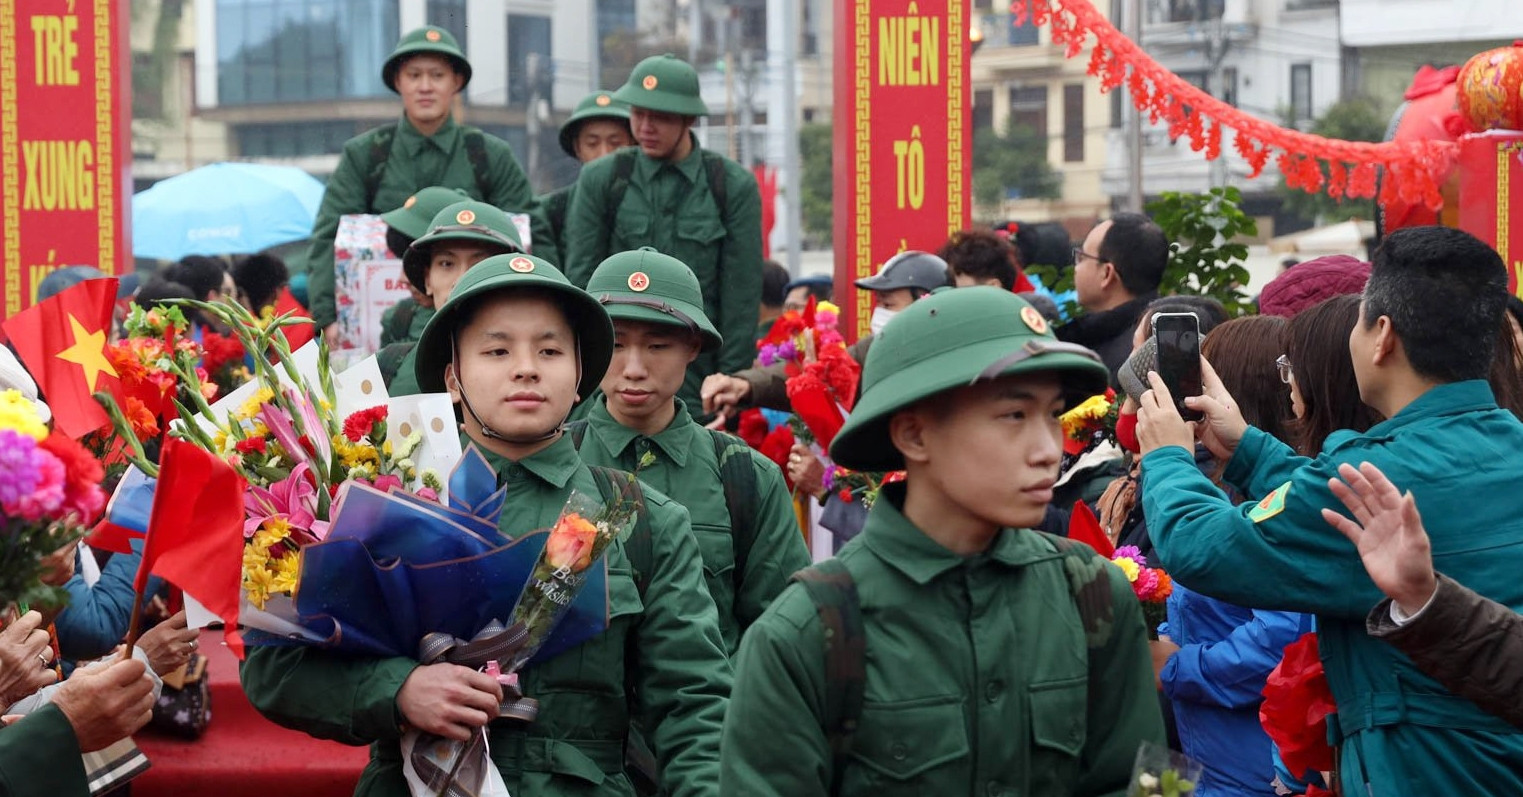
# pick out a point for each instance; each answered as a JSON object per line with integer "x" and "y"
{"x": 1311, "y": 163}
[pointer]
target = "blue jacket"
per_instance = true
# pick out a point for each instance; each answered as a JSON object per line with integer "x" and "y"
{"x": 96, "y": 619}
{"x": 1216, "y": 682}
{"x": 1457, "y": 452}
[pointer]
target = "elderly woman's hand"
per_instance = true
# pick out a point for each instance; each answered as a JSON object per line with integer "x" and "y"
{"x": 24, "y": 658}
{"x": 169, "y": 644}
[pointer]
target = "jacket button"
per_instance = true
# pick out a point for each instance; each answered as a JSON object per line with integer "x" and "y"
{"x": 993, "y": 691}
{"x": 899, "y": 752}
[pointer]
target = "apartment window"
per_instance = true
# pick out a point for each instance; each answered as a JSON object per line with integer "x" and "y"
{"x": 1300, "y": 93}
{"x": 1028, "y": 108}
{"x": 527, "y": 34}
{"x": 273, "y": 51}
{"x": 450, "y": 15}
{"x": 983, "y": 109}
{"x": 1073, "y": 123}
{"x": 294, "y": 139}
{"x": 1023, "y": 35}
{"x": 1228, "y": 91}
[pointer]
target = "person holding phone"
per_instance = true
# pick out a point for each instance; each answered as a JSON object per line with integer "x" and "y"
{"x": 1422, "y": 364}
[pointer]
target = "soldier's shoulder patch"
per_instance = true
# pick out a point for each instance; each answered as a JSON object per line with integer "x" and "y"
{"x": 1272, "y": 504}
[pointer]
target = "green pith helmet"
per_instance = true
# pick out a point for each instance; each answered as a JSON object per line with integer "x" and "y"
{"x": 463, "y": 221}
{"x": 663, "y": 83}
{"x": 413, "y": 218}
{"x": 502, "y": 273}
{"x": 597, "y": 105}
{"x": 951, "y": 339}
{"x": 429, "y": 39}
{"x": 645, "y": 285}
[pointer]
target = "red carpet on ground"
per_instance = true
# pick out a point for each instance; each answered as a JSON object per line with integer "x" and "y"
{"x": 243, "y": 754}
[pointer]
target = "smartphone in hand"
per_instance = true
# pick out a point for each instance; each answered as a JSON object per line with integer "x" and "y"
{"x": 1177, "y": 338}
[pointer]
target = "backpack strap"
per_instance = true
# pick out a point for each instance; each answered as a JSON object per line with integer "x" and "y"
{"x": 738, "y": 477}
{"x": 380, "y": 153}
{"x": 1089, "y": 587}
{"x": 713, "y": 163}
{"x": 481, "y": 165}
{"x": 618, "y": 186}
{"x": 578, "y": 431}
{"x": 834, "y": 593}
{"x": 618, "y": 485}
{"x": 401, "y": 320}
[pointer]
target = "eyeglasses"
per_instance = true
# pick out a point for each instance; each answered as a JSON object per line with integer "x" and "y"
{"x": 1283, "y": 363}
{"x": 1079, "y": 254}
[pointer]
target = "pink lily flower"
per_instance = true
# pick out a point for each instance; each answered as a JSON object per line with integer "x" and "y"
{"x": 293, "y": 499}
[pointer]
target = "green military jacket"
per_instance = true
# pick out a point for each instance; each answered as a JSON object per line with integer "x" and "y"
{"x": 414, "y": 331}
{"x": 682, "y": 464}
{"x": 661, "y": 661}
{"x": 405, "y": 383}
{"x": 671, "y": 207}
{"x": 39, "y": 757}
{"x": 979, "y": 677}
{"x": 1401, "y": 732}
{"x": 415, "y": 162}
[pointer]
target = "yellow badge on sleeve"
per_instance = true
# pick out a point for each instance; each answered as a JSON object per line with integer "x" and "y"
{"x": 1273, "y": 504}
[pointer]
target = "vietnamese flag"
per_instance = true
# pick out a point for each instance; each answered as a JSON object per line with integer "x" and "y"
{"x": 195, "y": 533}
{"x": 1084, "y": 527}
{"x": 62, "y": 340}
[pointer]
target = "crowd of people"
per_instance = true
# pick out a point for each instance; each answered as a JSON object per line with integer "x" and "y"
{"x": 1347, "y": 478}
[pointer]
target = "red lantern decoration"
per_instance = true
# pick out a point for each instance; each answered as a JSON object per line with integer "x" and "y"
{"x": 1491, "y": 89}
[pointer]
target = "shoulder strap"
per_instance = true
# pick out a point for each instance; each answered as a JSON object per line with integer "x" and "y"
{"x": 578, "y": 431}
{"x": 618, "y": 485}
{"x": 556, "y": 204}
{"x": 481, "y": 165}
{"x": 834, "y": 594}
{"x": 738, "y": 477}
{"x": 401, "y": 320}
{"x": 713, "y": 163}
{"x": 1089, "y": 587}
{"x": 618, "y": 185}
{"x": 380, "y": 152}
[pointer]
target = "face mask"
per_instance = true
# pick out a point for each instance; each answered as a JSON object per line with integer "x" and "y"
{"x": 881, "y": 316}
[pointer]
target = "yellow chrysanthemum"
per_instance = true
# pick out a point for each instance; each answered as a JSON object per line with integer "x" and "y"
{"x": 354, "y": 455}
{"x": 19, "y": 414}
{"x": 1128, "y": 566}
{"x": 258, "y": 583}
{"x": 287, "y": 569}
{"x": 254, "y": 557}
{"x": 1077, "y": 418}
{"x": 272, "y": 532}
{"x": 251, "y": 407}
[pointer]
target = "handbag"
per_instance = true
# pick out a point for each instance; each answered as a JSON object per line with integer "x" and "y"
{"x": 184, "y": 706}
{"x": 113, "y": 766}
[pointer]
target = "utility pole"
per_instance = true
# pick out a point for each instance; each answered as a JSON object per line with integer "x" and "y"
{"x": 694, "y": 30}
{"x": 747, "y": 107}
{"x": 531, "y": 116}
{"x": 1132, "y": 11}
{"x": 793, "y": 179}
{"x": 1216, "y": 51}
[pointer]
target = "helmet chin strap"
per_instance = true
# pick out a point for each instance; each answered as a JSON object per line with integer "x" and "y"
{"x": 493, "y": 434}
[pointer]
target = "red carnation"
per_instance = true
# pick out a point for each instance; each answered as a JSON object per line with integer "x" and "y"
{"x": 83, "y": 476}
{"x": 251, "y": 445}
{"x": 362, "y": 423}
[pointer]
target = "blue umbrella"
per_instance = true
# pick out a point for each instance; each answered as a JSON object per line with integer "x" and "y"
{"x": 224, "y": 208}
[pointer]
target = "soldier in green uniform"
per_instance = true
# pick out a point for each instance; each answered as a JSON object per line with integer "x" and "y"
{"x": 738, "y": 501}
{"x": 402, "y": 324}
{"x": 949, "y": 649}
{"x": 380, "y": 169}
{"x": 599, "y": 126}
{"x": 671, "y": 194}
{"x": 516, "y": 345}
{"x": 460, "y": 236}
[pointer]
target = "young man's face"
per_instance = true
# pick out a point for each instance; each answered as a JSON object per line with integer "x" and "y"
{"x": 992, "y": 450}
{"x": 896, "y": 299}
{"x": 517, "y": 365}
{"x": 658, "y": 133}
{"x": 599, "y": 137}
{"x": 428, "y": 85}
{"x": 447, "y": 263}
{"x": 649, "y": 363}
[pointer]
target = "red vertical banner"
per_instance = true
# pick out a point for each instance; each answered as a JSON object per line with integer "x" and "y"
{"x": 1491, "y": 196}
{"x": 902, "y": 140}
{"x": 65, "y": 140}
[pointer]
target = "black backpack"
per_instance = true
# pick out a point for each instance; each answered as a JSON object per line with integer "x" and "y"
{"x": 380, "y": 153}
{"x": 834, "y": 594}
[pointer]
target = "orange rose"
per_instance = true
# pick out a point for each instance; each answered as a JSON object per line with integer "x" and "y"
{"x": 571, "y": 544}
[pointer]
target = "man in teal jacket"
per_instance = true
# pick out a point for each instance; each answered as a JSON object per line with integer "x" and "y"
{"x": 1421, "y": 353}
{"x": 516, "y": 345}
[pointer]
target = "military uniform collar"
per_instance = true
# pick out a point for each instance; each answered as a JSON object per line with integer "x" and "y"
{"x": 554, "y": 464}
{"x": 414, "y": 141}
{"x": 675, "y": 441}
{"x": 690, "y": 167}
{"x": 904, "y": 547}
{"x": 1446, "y": 399}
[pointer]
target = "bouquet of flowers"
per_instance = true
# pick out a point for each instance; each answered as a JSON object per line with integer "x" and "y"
{"x": 822, "y": 376}
{"x": 1297, "y": 702}
{"x": 850, "y": 485}
{"x": 1151, "y": 584}
{"x": 1161, "y": 772}
{"x": 1090, "y": 424}
{"x": 49, "y": 492}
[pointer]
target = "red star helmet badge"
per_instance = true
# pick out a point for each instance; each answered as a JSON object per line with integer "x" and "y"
{"x": 465, "y": 217}
{"x": 638, "y": 282}
{"x": 649, "y": 83}
{"x": 1034, "y": 320}
{"x": 432, "y": 35}
{"x": 412, "y": 200}
{"x": 604, "y": 100}
{"x": 522, "y": 265}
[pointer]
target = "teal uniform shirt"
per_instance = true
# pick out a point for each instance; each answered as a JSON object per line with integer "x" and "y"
{"x": 39, "y": 756}
{"x": 979, "y": 677}
{"x": 671, "y": 208}
{"x": 660, "y": 661}
{"x": 1400, "y": 731}
{"x": 414, "y": 162}
{"x": 681, "y": 462}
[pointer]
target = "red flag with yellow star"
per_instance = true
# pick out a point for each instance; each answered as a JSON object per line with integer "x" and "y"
{"x": 62, "y": 341}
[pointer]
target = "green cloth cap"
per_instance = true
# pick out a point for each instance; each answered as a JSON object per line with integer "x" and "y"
{"x": 505, "y": 273}
{"x": 431, "y": 40}
{"x": 462, "y": 221}
{"x": 645, "y": 285}
{"x": 413, "y": 218}
{"x": 597, "y": 105}
{"x": 952, "y": 339}
{"x": 664, "y": 83}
